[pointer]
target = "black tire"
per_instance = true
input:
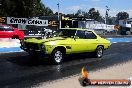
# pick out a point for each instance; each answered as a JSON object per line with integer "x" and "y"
{"x": 15, "y": 37}
{"x": 57, "y": 56}
{"x": 99, "y": 52}
{"x": 85, "y": 82}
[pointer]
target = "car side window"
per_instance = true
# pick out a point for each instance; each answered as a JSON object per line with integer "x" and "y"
{"x": 2, "y": 28}
{"x": 8, "y": 29}
{"x": 90, "y": 35}
{"x": 80, "y": 34}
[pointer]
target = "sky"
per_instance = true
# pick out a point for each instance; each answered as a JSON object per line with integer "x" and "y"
{"x": 71, "y": 6}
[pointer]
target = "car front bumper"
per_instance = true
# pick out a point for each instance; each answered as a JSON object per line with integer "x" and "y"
{"x": 33, "y": 51}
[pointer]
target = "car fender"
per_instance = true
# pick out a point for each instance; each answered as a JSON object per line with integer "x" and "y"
{"x": 51, "y": 48}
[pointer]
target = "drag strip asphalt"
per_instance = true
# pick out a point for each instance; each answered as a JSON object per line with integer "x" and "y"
{"x": 18, "y": 70}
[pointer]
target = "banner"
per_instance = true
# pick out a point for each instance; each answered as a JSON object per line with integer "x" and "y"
{"x": 3, "y": 20}
{"x": 26, "y": 21}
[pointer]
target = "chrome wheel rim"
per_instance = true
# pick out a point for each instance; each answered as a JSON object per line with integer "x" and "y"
{"x": 100, "y": 52}
{"x": 58, "y": 56}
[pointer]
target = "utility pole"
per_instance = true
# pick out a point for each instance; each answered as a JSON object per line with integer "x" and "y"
{"x": 58, "y": 4}
{"x": 106, "y": 14}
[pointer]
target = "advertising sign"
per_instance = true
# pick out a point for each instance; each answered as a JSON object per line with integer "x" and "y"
{"x": 26, "y": 21}
{"x": 3, "y": 20}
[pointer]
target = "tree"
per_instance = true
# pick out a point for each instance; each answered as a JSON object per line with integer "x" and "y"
{"x": 94, "y": 14}
{"x": 69, "y": 15}
{"x": 78, "y": 13}
{"x": 91, "y": 14}
{"x": 122, "y": 15}
{"x": 81, "y": 13}
{"x": 24, "y": 8}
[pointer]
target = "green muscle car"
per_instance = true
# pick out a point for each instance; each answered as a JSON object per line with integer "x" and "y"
{"x": 66, "y": 41}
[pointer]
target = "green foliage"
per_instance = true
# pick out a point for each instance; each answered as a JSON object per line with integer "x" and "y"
{"x": 94, "y": 14}
{"x": 91, "y": 14}
{"x": 24, "y": 8}
{"x": 122, "y": 15}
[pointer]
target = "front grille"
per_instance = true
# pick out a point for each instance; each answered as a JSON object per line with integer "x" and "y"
{"x": 31, "y": 46}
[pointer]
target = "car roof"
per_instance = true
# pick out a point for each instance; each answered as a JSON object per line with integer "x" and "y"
{"x": 77, "y": 29}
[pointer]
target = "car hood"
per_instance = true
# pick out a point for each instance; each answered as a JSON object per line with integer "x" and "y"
{"x": 34, "y": 40}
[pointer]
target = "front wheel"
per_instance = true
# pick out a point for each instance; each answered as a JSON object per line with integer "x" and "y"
{"x": 57, "y": 56}
{"x": 99, "y": 52}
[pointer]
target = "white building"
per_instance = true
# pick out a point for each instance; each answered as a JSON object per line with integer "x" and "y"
{"x": 126, "y": 23}
{"x": 95, "y": 25}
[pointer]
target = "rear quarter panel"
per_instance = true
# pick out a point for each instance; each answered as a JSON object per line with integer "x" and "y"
{"x": 105, "y": 43}
{"x": 102, "y": 41}
{"x": 19, "y": 33}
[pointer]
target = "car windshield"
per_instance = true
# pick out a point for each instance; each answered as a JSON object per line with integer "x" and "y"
{"x": 65, "y": 33}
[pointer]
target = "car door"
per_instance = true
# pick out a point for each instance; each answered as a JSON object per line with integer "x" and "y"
{"x": 9, "y": 32}
{"x": 79, "y": 45}
{"x": 91, "y": 40}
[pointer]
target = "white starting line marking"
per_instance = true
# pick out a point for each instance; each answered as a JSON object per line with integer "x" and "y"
{"x": 109, "y": 38}
{"x": 114, "y": 42}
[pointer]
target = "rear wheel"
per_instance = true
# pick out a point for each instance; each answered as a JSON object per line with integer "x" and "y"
{"x": 57, "y": 56}
{"x": 99, "y": 51}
